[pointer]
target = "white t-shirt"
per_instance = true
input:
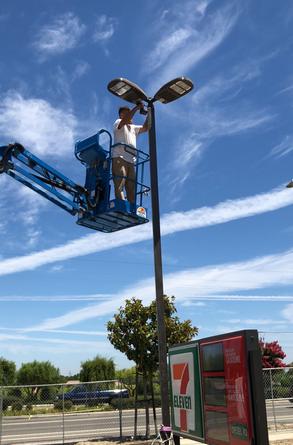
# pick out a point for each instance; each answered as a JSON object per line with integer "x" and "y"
{"x": 126, "y": 135}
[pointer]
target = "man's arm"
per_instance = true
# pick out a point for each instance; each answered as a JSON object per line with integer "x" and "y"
{"x": 145, "y": 126}
{"x": 128, "y": 116}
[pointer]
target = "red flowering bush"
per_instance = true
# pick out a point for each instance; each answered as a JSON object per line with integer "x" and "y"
{"x": 272, "y": 354}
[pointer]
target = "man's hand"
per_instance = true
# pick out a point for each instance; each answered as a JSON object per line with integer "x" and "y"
{"x": 140, "y": 105}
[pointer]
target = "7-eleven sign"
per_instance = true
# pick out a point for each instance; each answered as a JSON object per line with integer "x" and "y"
{"x": 182, "y": 381}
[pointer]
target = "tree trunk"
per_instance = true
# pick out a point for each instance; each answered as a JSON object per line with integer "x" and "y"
{"x": 153, "y": 404}
{"x": 135, "y": 403}
{"x": 147, "y": 413}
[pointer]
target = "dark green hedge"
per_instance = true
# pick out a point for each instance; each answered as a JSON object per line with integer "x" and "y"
{"x": 9, "y": 401}
{"x": 59, "y": 404}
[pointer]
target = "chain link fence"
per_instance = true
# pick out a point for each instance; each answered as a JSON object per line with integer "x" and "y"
{"x": 278, "y": 389}
{"x": 69, "y": 413}
{"x": 73, "y": 412}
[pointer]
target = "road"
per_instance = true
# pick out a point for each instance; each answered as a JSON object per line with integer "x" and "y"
{"x": 282, "y": 410}
{"x": 88, "y": 425}
{"x": 79, "y": 426}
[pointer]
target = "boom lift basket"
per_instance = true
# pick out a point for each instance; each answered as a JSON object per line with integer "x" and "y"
{"x": 106, "y": 213}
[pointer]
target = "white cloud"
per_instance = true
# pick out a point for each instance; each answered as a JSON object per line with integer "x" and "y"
{"x": 214, "y": 124}
{"x": 258, "y": 273}
{"x": 25, "y": 338}
{"x": 80, "y": 70}
{"x": 185, "y": 39}
{"x": 288, "y": 313}
{"x": 61, "y": 331}
{"x": 256, "y": 322}
{"x": 62, "y": 34}
{"x": 247, "y": 298}
{"x": 285, "y": 90}
{"x": 105, "y": 28}
{"x": 35, "y": 123}
{"x": 189, "y": 303}
{"x": 166, "y": 46}
{"x": 30, "y": 205}
{"x": 216, "y": 111}
{"x": 55, "y": 298}
{"x": 229, "y": 210}
{"x": 284, "y": 147}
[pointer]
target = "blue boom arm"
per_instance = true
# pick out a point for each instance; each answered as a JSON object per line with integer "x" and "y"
{"x": 93, "y": 204}
{"x": 31, "y": 171}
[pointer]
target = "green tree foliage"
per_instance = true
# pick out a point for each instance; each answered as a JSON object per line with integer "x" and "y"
{"x": 127, "y": 377}
{"x": 99, "y": 368}
{"x": 37, "y": 373}
{"x": 134, "y": 331}
{"x": 7, "y": 372}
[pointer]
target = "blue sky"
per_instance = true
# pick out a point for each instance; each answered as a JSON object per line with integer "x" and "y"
{"x": 224, "y": 152}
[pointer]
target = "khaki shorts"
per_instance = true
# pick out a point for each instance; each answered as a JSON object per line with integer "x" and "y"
{"x": 124, "y": 177}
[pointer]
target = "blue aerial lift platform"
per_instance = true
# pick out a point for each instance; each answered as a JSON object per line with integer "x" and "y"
{"x": 93, "y": 203}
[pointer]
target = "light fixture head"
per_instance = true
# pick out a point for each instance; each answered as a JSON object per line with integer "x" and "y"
{"x": 127, "y": 90}
{"x": 174, "y": 89}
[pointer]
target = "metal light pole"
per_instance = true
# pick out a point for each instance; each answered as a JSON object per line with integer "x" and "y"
{"x": 131, "y": 92}
{"x": 162, "y": 343}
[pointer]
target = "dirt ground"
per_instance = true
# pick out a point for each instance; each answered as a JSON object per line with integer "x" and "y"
{"x": 145, "y": 442}
{"x": 283, "y": 442}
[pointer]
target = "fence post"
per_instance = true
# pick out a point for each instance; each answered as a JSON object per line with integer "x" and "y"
{"x": 1, "y": 414}
{"x": 63, "y": 417}
{"x": 120, "y": 414}
{"x": 273, "y": 401}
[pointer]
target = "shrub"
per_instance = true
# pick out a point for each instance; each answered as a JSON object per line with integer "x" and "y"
{"x": 68, "y": 404}
{"x": 9, "y": 401}
{"x": 17, "y": 406}
{"x": 92, "y": 402}
{"x": 130, "y": 403}
{"x": 15, "y": 392}
{"x": 282, "y": 392}
{"x": 59, "y": 405}
{"x": 29, "y": 407}
{"x": 47, "y": 393}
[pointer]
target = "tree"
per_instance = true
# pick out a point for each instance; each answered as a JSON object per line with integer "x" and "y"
{"x": 7, "y": 372}
{"x": 37, "y": 373}
{"x": 127, "y": 377}
{"x": 134, "y": 332}
{"x": 272, "y": 354}
{"x": 99, "y": 368}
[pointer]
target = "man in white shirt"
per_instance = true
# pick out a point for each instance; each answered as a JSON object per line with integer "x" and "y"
{"x": 123, "y": 157}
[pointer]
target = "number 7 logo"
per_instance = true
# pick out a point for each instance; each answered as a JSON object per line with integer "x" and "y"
{"x": 181, "y": 372}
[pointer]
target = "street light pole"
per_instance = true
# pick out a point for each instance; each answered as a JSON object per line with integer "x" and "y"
{"x": 172, "y": 90}
{"x": 161, "y": 328}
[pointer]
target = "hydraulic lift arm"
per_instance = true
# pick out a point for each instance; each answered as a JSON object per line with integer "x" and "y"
{"x": 93, "y": 204}
{"x": 31, "y": 171}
